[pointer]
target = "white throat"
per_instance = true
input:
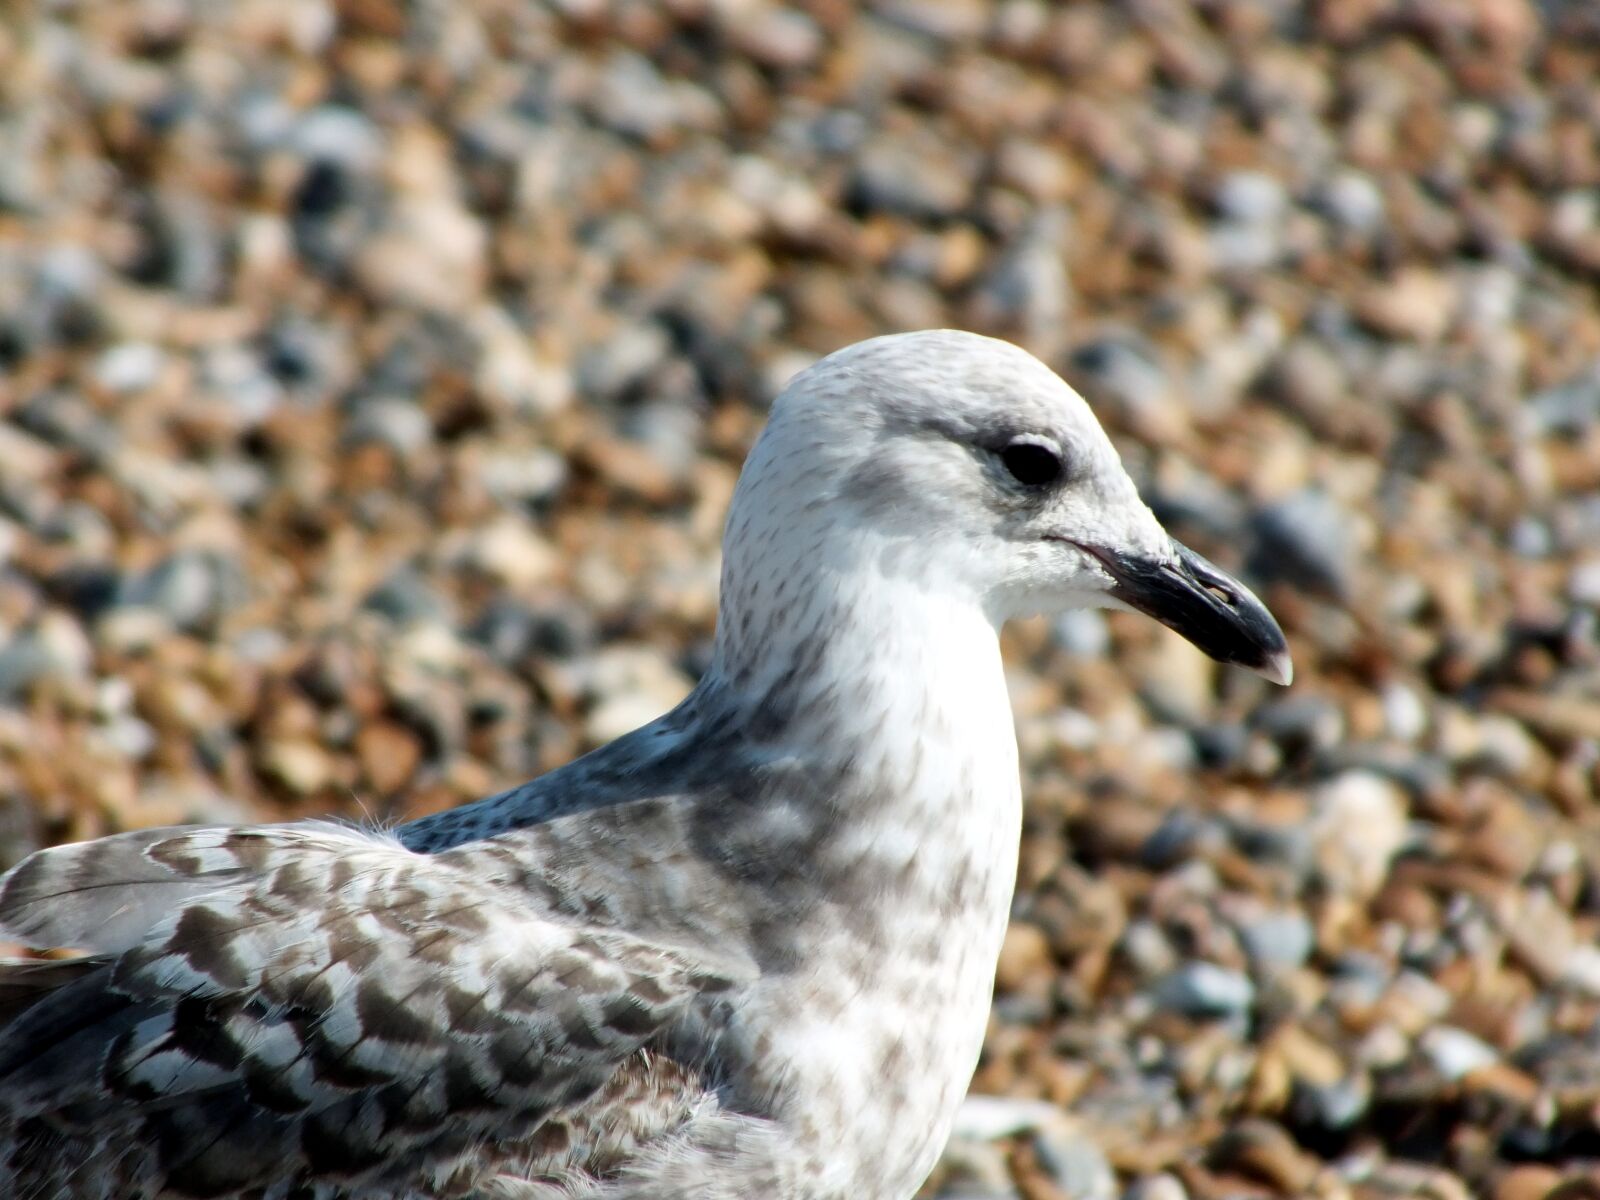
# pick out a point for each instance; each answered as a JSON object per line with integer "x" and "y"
{"x": 897, "y": 691}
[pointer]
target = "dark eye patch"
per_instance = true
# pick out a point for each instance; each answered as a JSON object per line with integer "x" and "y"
{"x": 1031, "y": 462}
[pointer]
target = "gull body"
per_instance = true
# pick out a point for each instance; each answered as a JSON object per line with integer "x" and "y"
{"x": 746, "y": 950}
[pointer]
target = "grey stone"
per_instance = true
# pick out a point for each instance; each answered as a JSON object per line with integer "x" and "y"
{"x": 1301, "y": 726}
{"x": 1305, "y": 539}
{"x": 622, "y": 361}
{"x": 1082, "y": 633}
{"x": 406, "y": 598}
{"x": 901, "y": 177}
{"x": 1571, "y": 408}
{"x": 1074, "y": 1162}
{"x": 128, "y": 366}
{"x": 1277, "y": 941}
{"x": 1455, "y": 1052}
{"x": 1336, "y": 1105}
{"x": 389, "y": 421}
{"x": 337, "y": 134}
{"x": 192, "y": 589}
{"x": 54, "y": 647}
{"x": 1203, "y": 989}
{"x": 1122, "y": 369}
{"x": 1353, "y": 201}
{"x": 1250, "y": 197}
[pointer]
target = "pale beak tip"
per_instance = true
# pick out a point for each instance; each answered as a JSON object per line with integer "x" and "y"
{"x": 1278, "y": 668}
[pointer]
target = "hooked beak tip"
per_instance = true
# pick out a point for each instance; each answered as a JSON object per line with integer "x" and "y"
{"x": 1278, "y": 668}
{"x": 1196, "y": 598}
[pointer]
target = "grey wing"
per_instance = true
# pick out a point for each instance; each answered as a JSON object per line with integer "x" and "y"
{"x": 305, "y": 1006}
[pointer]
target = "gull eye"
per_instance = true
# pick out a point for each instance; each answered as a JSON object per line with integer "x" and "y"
{"x": 1032, "y": 462}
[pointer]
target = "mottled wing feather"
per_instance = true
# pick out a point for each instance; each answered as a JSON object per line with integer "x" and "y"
{"x": 106, "y": 894}
{"x": 321, "y": 1005}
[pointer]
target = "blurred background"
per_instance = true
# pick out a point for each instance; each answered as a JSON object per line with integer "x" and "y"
{"x": 374, "y": 376}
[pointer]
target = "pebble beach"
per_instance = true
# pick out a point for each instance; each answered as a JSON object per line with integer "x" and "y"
{"x": 374, "y": 377}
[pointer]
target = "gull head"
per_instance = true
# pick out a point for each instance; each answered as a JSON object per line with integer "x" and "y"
{"x": 954, "y": 463}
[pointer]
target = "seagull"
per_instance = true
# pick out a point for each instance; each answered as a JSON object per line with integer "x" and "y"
{"x": 746, "y": 950}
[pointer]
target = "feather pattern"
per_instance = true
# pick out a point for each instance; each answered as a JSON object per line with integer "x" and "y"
{"x": 325, "y": 1005}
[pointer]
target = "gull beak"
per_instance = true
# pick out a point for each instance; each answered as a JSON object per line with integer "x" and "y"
{"x": 1194, "y": 597}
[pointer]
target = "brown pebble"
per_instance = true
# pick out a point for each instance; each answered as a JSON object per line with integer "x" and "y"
{"x": 1262, "y": 1151}
{"x": 1531, "y": 1181}
{"x": 388, "y": 753}
{"x": 300, "y": 766}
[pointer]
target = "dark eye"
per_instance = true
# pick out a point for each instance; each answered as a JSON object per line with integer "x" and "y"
{"x": 1031, "y": 463}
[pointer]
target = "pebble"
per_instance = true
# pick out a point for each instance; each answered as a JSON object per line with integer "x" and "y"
{"x": 1074, "y": 1162}
{"x": 1419, "y": 304}
{"x": 191, "y": 590}
{"x": 1082, "y": 633}
{"x": 1023, "y": 955}
{"x": 895, "y": 179}
{"x": 1571, "y": 407}
{"x": 1202, "y": 989}
{"x": 1156, "y": 1187}
{"x": 1262, "y": 1151}
{"x": 392, "y": 421}
{"x": 1583, "y": 584}
{"x": 1582, "y": 970}
{"x": 623, "y": 361}
{"x": 1358, "y": 826}
{"x": 1305, "y": 538}
{"x": 1337, "y": 1105}
{"x": 1119, "y": 370}
{"x": 972, "y": 1170}
{"x": 406, "y": 597}
{"x": 1148, "y": 950}
{"x": 631, "y": 687}
{"x": 300, "y": 766}
{"x": 990, "y": 1118}
{"x": 1178, "y": 682}
{"x": 54, "y": 648}
{"x": 510, "y": 551}
{"x": 1455, "y": 1053}
{"x": 370, "y": 399}
{"x": 776, "y": 37}
{"x": 337, "y": 134}
{"x": 1532, "y": 1181}
{"x": 1277, "y": 941}
{"x": 128, "y": 366}
{"x": 1404, "y": 713}
{"x": 1302, "y": 726}
{"x": 1353, "y": 201}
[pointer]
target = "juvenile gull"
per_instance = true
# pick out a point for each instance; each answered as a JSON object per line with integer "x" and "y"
{"x": 745, "y": 951}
